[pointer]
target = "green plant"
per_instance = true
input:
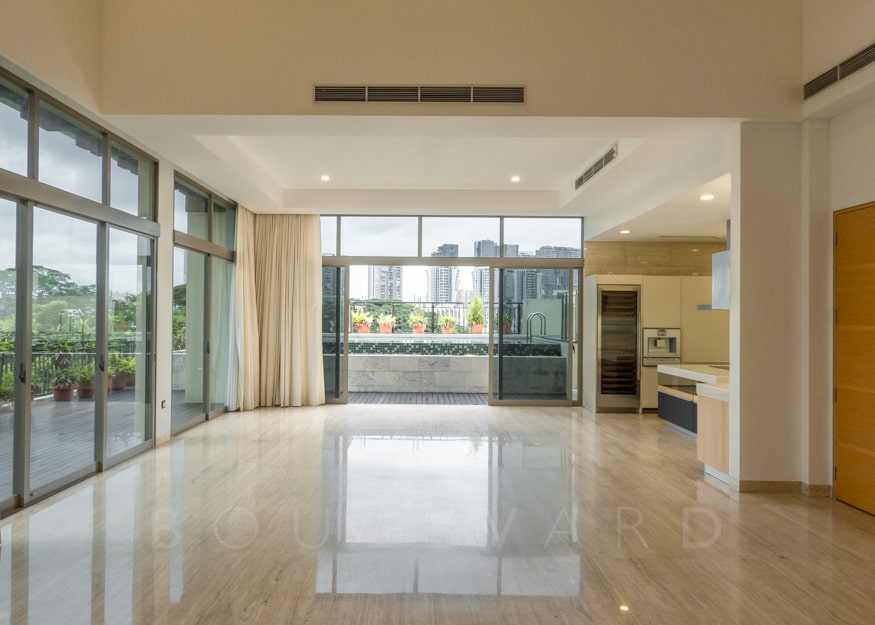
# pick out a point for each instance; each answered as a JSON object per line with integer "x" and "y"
{"x": 360, "y": 316}
{"x": 84, "y": 372}
{"x": 119, "y": 364}
{"x": 416, "y": 318}
{"x": 475, "y": 311}
{"x": 385, "y": 319}
{"x": 503, "y": 318}
{"x": 7, "y": 386}
{"x": 446, "y": 321}
{"x": 64, "y": 378}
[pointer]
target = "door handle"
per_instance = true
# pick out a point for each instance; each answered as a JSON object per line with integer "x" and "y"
{"x": 102, "y": 365}
{"x": 22, "y": 373}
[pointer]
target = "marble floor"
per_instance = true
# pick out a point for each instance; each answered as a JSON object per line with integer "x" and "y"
{"x": 430, "y": 515}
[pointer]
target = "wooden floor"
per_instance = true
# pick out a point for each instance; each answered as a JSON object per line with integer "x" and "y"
{"x": 446, "y": 515}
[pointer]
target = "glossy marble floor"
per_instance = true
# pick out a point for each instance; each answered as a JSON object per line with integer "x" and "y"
{"x": 434, "y": 514}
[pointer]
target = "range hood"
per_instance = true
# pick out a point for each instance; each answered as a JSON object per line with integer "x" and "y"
{"x": 719, "y": 279}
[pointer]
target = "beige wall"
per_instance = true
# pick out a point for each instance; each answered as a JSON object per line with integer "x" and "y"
{"x": 58, "y": 41}
{"x": 649, "y": 258}
{"x": 586, "y": 57}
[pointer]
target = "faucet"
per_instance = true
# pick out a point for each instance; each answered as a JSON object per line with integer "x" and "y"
{"x": 529, "y": 324}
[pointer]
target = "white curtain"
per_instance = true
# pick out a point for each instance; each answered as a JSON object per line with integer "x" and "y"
{"x": 281, "y": 326}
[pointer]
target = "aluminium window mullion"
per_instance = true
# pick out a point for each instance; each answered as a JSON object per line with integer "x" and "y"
{"x": 23, "y": 351}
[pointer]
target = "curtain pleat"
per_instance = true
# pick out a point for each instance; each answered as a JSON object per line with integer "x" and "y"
{"x": 288, "y": 301}
{"x": 247, "y": 313}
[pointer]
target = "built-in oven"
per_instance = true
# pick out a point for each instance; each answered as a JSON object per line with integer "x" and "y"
{"x": 660, "y": 346}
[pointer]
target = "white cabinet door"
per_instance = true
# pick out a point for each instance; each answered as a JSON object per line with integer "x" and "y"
{"x": 649, "y": 388}
{"x": 661, "y": 302}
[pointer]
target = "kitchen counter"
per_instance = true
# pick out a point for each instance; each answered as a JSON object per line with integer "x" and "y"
{"x": 707, "y": 374}
{"x": 718, "y": 391}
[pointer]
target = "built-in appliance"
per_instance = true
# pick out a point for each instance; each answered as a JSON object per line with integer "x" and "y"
{"x": 660, "y": 346}
{"x": 618, "y": 327}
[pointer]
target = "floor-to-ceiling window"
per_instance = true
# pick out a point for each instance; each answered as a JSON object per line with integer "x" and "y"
{"x": 77, "y": 241}
{"x": 203, "y": 377}
{"x": 462, "y": 305}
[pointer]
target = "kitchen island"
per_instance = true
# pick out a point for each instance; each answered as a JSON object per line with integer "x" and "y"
{"x": 695, "y": 399}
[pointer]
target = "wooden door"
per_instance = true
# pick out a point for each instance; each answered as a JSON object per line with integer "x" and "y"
{"x": 854, "y": 357}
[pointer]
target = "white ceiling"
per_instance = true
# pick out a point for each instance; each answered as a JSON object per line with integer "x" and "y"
{"x": 460, "y": 165}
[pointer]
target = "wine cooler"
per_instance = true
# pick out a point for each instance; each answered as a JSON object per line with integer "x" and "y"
{"x": 618, "y": 355}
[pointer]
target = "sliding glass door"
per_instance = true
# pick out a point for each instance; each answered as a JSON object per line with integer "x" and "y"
{"x": 129, "y": 341}
{"x": 333, "y": 332}
{"x": 8, "y": 346}
{"x": 189, "y": 281}
{"x": 63, "y": 326}
{"x": 532, "y": 334}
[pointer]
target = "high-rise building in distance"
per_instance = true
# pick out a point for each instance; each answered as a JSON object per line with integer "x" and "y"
{"x": 385, "y": 282}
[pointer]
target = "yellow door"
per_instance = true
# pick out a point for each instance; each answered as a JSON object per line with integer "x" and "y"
{"x": 854, "y": 357}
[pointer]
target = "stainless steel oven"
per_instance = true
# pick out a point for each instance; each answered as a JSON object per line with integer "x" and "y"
{"x": 660, "y": 346}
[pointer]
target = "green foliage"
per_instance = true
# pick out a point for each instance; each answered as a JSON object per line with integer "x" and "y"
{"x": 84, "y": 372}
{"x": 7, "y": 385}
{"x": 416, "y": 318}
{"x": 446, "y": 321}
{"x": 386, "y": 319}
{"x": 360, "y": 316}
{"x": 475, "y": 311}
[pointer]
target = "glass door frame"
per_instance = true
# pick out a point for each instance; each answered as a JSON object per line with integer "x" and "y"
{"x": 341, "y": 335}
{"x": 574, "y": 356}
{"x": 29, "y": 195}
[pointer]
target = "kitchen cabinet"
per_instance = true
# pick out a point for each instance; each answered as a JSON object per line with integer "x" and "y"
{"x": 704, "y": 333}
{"x": 712, "y": 443}
{"x": 661, "y": 301}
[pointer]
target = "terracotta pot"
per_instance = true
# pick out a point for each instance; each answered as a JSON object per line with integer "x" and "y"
{"x": 419, "y": 328}
{"x": 385, "y": 328}
{"x": 448, "y": 329}
{"x": 62, "y": 394}
{"x": 85, "y": 390}
{"x": 363, "y": 328}
{"x": 118, "y": 381}
{"x": 476, "y": 328}
{"x": 505, "y": 328}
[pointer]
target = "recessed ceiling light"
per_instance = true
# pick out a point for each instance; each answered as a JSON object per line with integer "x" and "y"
{"x": 325, "y": 178}
{"x": 624, "y": 608}
{"x": 695, "y": 249}
{"x": 707, "y": 197}
{"x": 514, "y": 178}
{"x": 625, "y": 231}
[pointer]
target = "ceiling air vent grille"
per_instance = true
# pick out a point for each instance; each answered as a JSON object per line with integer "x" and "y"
{"x": 829, "y": 77}
{"x": 445, "y": 94}
{"x": 500, "y": 94}
{"x": 596, "y": 167}
{"x": 341, "y": 94}
{"x": 844, "y": 69}
{"x": 408, "y": 93}
{"x": 393, "y": 94}
{"x": 858, "y": 61}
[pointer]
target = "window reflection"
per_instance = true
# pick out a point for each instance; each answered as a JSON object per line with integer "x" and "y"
{"x": 132, "y": 182}
{"x": 190, "y": 211}
{"x": 416, "y": 514}
{"x": 13, "y": 128}
{"x": 70, "y": 154}
{"x": 379, "y": 236}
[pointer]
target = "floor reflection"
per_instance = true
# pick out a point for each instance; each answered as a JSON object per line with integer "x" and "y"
{"x": 477, "y": 515}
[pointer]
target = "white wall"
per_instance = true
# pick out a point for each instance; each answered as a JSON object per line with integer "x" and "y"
{"x": 765, "y": 318}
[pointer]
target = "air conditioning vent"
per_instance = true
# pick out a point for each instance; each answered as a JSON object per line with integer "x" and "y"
{"x": 514, "y": 95}
{"x": 858, "y": 61}
{"x": 393, "y": 94}
{"x": 826, "y": 79}
{"x": 412, "y": 93}
{"x": 596, "y": 167}
{"x": 841, "y": 71}
{"x": 341, "y": 94}
{"x": 445, "y": 94}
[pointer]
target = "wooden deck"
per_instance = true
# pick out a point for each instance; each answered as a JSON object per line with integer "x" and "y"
{"x": 442, "y": 399}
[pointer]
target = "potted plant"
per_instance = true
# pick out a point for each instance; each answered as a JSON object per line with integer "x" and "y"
{"x": 448, "y": 324}
{"x": 386, "y": 323}
{"x": 504, "y": 320}
{"x": 118, "y": 379}
{"x": 85, "y": 380}
{"x": 417, "y": 321}
{"x": 63, "y": 379}
{"x": 361, "y": 319}
{"x": 475, "y": 315}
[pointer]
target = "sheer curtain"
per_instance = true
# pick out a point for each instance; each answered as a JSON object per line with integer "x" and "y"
{"x": 280, "y": 295}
